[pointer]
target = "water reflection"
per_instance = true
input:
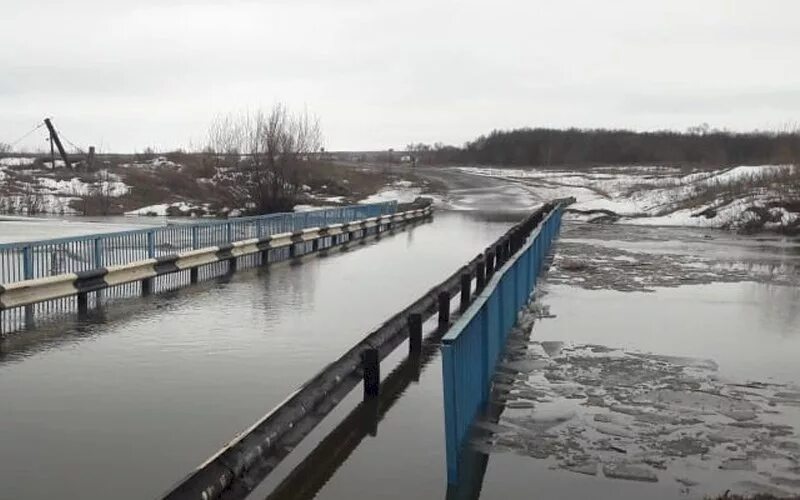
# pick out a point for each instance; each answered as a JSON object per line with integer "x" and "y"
{"x": 305, "y": 480}
{"x": 182, "y": 373}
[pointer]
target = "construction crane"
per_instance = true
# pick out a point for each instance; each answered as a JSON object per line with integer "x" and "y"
{"x": 54, "y": 139}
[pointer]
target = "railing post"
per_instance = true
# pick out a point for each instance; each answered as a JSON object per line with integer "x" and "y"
{"x": 229, "y": 229}
{"x": 414, "y": 333}
{"x": 83, "y": 304}
{"x": 98, "y": 263}
{"x": 147, "y": 283}
{"x": 98, "y": 253}
{"x": 28, "y": 274}
{"x": 490, "y": 264}
{"x": 27, "y": 262}
{"x": 194, "y": 237}
{"x": 466, "y": 286}
{"x": 444, "y": 309}
{"x": 151, "y": 244}
{"x": 498, "y": 253}
{"x": 371, "y": 366}
{"x": 480, "y": 271}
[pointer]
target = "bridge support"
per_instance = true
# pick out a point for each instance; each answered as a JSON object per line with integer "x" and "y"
{"x": 83, "y": 304}
{"x": 444, "y": 310}
{"x": 233, "y": 263}
{"x": 466, "y": 288}
{"x": 147, "y": 287}
{"x": 194, "y": 274}
{"x": 29, "y": 317}
{"x": 489, "y": 265}
{"x": 370, "y": 363}
{"x": 414, "y": 333}
{"x": 480, "y": 278}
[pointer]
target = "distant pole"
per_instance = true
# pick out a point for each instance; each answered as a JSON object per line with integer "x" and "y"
{"x": 54, "y": 137}
{"x": 90, "y": 159}
{"x": 52, "y": 153}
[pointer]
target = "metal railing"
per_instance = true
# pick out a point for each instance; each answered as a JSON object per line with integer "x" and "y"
{"x": 236, "y": 469}
{"x": 472, "y": 346}
{"x": 40, "y": 259}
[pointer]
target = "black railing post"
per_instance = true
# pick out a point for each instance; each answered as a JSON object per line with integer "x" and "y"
{"x": 444, "y": 309}
{"x": 490, "y": 263}
{"x": 480, "y": 272}
{"x": 466, "y": 288}
{"x": 193, "y": 274}
{"x": 83, "y": 303}
{"x": 414, "y": 333}
{"x": 147, "y": 289}
{"x": 371, "y": 365}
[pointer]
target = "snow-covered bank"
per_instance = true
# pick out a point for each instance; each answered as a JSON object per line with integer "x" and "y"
{"x": 401, "y": 191}
{"x": 741, "y": 198}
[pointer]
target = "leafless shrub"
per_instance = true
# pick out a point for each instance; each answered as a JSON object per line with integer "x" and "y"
{"x": 148, "y": 154}
{"x": 268, "y": 149}
{"x": 30, "y": 199}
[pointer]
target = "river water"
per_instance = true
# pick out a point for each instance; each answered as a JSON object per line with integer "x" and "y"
{"x": 124, "y": 406}
{"x": 13, "y": 229}
{"x": 723, "y": 301}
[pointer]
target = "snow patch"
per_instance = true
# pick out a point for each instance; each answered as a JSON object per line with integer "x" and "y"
{"x": 16, "y": 162}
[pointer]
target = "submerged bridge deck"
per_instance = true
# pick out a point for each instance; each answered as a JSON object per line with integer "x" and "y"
{"x": 186, "y": 346}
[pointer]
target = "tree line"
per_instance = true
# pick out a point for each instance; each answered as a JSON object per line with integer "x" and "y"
{"x": 545, "y": 147}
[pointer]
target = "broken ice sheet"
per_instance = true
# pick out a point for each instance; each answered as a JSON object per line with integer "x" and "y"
{"x": 648, "y": 417}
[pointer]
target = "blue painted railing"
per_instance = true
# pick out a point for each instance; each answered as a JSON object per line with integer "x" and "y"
{"x": 473, "y": 345}
{"x": 38, "y": 259}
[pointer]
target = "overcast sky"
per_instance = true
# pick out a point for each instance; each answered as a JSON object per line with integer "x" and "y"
{"x": 127, "y": 75}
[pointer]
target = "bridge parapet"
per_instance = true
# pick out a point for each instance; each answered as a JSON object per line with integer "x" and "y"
{"x": 75, "y": 287}
{"x": 237, "y": 468}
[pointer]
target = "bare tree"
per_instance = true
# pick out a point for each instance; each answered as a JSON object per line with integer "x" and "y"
{"x": 270, "y": 149}
{"x": 5, "y": 148}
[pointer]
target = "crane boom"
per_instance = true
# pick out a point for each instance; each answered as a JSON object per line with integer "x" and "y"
{"x": 54, "y": 137}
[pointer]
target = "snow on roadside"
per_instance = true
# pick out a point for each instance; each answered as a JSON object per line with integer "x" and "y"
{"x": 649, "y": 195}
{"x": 158, "y": 162}
{"x": 16, "y": 162}
{"x": 400, "y": 191}
{"x": 180, "y": 208}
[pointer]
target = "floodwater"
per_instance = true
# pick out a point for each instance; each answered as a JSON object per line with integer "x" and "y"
{"x": 125, "y": 406}
{"x": 715, "y": 298}
{"x": 13, "y": 229}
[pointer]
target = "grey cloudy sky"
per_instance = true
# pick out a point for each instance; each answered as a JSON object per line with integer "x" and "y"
{"x": 132, "y": 74}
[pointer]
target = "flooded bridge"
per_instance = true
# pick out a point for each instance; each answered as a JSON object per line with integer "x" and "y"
{"x": 125, "y": 400}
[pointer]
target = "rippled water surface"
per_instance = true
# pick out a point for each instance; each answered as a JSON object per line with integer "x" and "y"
{"x": 125, "y": 406}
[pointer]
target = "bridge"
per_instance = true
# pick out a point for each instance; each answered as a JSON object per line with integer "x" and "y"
{"x": 469, "y": 313}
